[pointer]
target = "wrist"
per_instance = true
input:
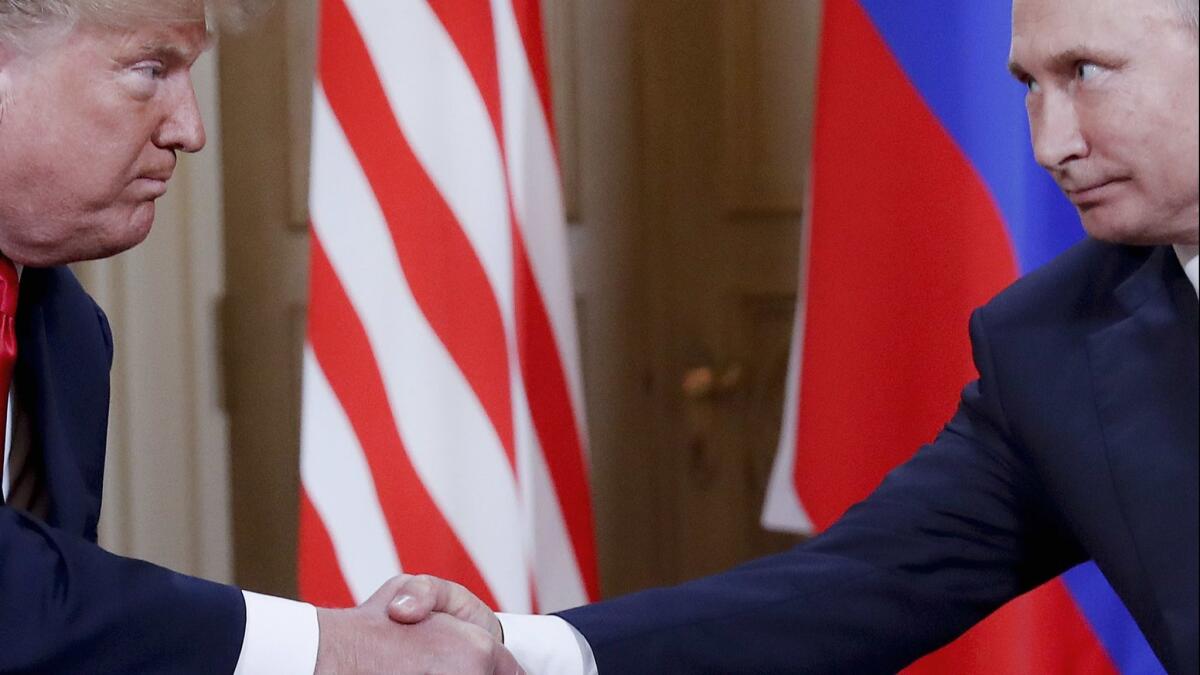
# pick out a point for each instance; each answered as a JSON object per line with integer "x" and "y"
{"x": 332, "y": 653}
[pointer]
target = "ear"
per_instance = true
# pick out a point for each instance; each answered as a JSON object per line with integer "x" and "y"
{"x": 9, "y": 60}
{"x": 7, "y": 52}
{"x": 5, "y": 81}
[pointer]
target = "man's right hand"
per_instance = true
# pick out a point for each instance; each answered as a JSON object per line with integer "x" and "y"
{"x": 418, "y": 596}
{"x": 364, "y": 640}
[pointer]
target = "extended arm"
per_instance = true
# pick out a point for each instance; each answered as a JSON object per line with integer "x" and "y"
{"x": 945, "y": 540}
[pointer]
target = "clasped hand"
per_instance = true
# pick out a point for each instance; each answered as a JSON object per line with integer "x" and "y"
{"x": 414, "y": 624}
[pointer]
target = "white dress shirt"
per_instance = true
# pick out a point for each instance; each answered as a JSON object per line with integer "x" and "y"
{"x": 1188, "y": 257}
{"x": 282, "y": 635}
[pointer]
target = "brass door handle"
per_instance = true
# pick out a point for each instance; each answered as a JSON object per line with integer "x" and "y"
{"x": 708, "y": 382}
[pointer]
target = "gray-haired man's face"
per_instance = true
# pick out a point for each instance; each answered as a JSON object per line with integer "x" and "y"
{"x": 89, "y": 133}
{"x": 1113, "y": 108}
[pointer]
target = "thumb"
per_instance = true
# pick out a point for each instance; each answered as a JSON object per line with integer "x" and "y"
{"x": 408, "y": 609}
{"x": 414, "y": 600}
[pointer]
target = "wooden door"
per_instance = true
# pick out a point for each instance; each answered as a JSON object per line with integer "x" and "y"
{"x": 266, "y": 93}
{"x": 685, "y": 128}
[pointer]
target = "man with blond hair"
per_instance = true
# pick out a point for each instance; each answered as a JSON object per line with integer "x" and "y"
{"x": 96, "y": 102}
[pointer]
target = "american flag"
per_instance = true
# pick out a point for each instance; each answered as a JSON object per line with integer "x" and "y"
{"x": 442, "y": 417}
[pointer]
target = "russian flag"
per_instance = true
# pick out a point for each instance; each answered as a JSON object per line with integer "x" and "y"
{"x": 926, "y": 202}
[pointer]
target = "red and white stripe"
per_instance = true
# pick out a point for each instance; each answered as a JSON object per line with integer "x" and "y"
{"x": 442, "y": 420}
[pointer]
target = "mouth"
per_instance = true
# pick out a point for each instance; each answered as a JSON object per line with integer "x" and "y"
{"x": 1090, "y": 193}
{"x": 161, "y": 175}
{"x": 151, "y": 187}
{"x": 152, "y": 182}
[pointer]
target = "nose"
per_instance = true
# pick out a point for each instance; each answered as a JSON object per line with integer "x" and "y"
{"x": 1057, "y": 134}
{"x": 182, "y": 127}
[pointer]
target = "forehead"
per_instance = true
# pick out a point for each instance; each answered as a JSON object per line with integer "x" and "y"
{"x": 133, "y": 12}
{"x": 181, "y": 41}
{"x": 1042, "y": 28}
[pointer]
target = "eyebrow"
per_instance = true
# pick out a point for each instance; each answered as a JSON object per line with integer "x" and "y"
{"x": 169, "y": 52}
{"x": 1066, "y": 60}
{"x": 1017, "y": 71}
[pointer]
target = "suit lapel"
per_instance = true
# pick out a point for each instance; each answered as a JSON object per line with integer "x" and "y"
{"x": 1145, "y": 374}
{"x": 62, "y": 386}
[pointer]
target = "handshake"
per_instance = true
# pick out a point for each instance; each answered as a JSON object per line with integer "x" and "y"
{"x": 414, "y": 624}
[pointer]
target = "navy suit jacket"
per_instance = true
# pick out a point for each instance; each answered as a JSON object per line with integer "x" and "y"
{"x": 66, "y": 606}
{"x": 1078, "y": 441}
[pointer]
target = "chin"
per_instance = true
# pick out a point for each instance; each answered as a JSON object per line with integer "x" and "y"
{"x": 1112, "y": 225}
{"x": 99, "y": 239}
{"x": 140, "y": 223}
{"x": 120, "y": 238}
{"x": 1137, "y": 234}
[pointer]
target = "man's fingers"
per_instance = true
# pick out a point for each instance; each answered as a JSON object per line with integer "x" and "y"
{"x": 409, "y": 609}
{"x": 455, "y": 600}
{"x": 414, "y": 599}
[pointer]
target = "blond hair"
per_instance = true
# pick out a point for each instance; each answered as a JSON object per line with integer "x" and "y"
{"x": 18, "y": 18}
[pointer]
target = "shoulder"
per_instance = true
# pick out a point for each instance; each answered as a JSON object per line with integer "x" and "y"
{"x": 57, "y": 284}
{"x": 53, "y": 298}
{"x": 1077, "y": 286}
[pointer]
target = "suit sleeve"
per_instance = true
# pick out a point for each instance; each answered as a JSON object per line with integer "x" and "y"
{"x": 105, "y": 333}
{"x": 945, "y": 540}
{"x": 66, "y": 606}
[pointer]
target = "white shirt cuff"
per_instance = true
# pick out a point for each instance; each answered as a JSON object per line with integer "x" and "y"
{"x": 547, "y": 645}
{"x": 281, "y": 636}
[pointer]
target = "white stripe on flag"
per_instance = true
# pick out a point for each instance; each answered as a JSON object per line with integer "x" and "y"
{"x": 443, "y": 116}
{"x": 537, "y": 196}
{"x": 449, "y": 438}
{"x": 783, "y": 511}
{"x": 558, "y": 579}
{"x": 339, "y": 485}
{"x": 556, "y": 574}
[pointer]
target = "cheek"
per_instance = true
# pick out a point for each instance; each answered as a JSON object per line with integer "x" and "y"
{"x": 1166, "y": 146}
{"x": 61, "y": 183}
{"x": 1111, "y": 124}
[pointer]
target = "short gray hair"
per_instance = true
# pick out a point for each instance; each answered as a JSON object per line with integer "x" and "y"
{"x": 19, "y": 17}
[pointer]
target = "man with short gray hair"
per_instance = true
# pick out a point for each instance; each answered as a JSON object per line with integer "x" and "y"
{"x": 96, "y": 101}
{"x": 1077, "y": 442}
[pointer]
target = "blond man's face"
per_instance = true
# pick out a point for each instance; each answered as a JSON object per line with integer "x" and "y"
{"x": 90, "y": 130}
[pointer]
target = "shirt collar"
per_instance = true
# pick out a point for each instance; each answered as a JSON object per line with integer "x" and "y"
{"x": 1191, "y": 263}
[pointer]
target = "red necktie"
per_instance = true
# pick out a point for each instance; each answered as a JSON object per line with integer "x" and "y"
{"x": 9, "y": 285}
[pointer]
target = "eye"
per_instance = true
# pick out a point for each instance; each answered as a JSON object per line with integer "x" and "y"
{"x": 1031, "y": 85}
{"x": 150, "y": 69}
{"x": 1086, "y": 70}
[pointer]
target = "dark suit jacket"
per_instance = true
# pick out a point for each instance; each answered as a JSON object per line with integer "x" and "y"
{"x": 1078, "y": 440}
{"x": 66, "y": 606}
